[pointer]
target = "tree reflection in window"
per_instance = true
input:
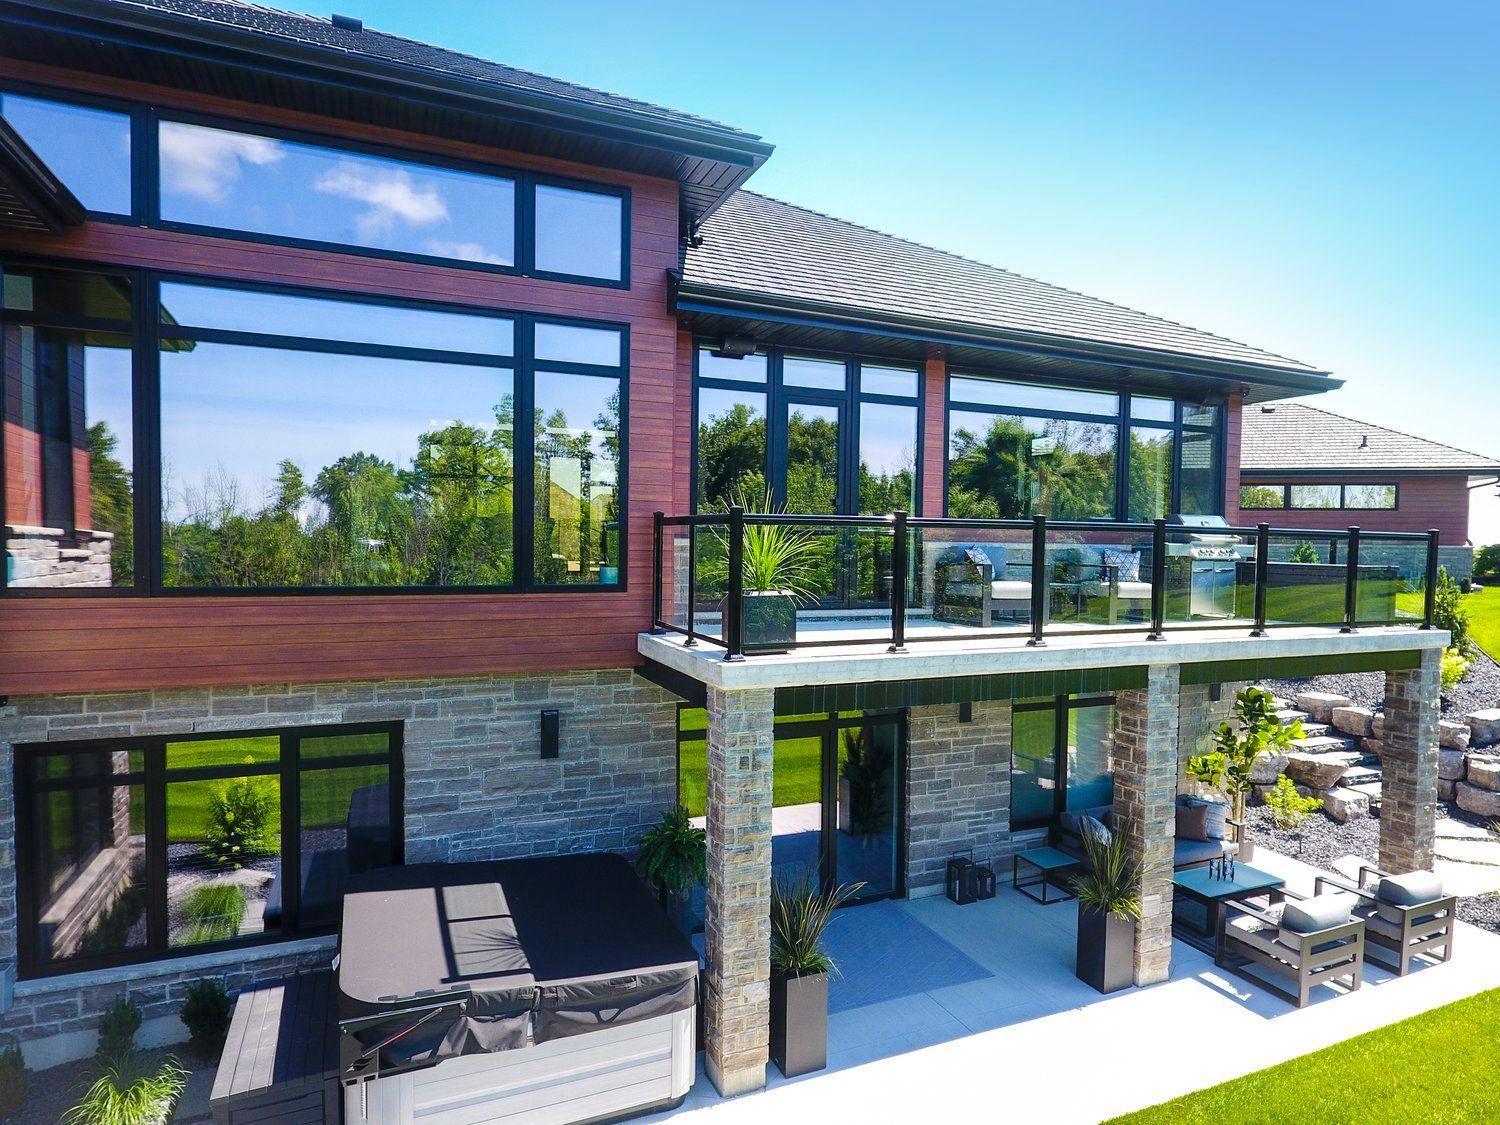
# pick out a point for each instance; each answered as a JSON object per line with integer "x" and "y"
{"x": 1011, "y": 467}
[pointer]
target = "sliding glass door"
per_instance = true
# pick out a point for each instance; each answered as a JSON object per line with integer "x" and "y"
{"x": 1062, "y": 758}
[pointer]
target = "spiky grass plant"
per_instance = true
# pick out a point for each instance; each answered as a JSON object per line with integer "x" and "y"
{"x": 1110, "y": 878}
{"x": 130, "y": 1091}
{"x": 777, "y": 558}
{"x": 800, "y": 912}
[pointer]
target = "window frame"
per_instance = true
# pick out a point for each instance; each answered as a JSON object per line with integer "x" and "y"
{"x": 146, "y": 331}
{"x": 145, "y": 173}
{"x": 848, "y": 400}
{"x": 1122, "y": 420}
{"x": 154, "y": 777}
{"x": 1286, "y": 487}
{"x": 1061, "y": 706}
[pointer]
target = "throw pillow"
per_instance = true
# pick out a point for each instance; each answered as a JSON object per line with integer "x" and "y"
{"x": 976, "y": 557}
{"x": 1126, "y": 563}
{"x": 1218, "y": 816}
{"x": 1095, "y": 829}
{"x": 1192, "y": 822}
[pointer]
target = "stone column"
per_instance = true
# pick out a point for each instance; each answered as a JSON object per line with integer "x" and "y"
{"x": 1145, "y": 793}
{"x": 1409, "y": 763}
{"x": 737, "y": 924}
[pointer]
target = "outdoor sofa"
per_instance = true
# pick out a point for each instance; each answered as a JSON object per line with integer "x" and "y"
{"x": 1187, "y": 851}
{"x": 1404, "y": 915}
{"x": 1300, "y": 942}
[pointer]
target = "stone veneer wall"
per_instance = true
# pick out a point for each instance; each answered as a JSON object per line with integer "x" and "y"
{"x": 49, "y": 557}
{"x": 476, "y": 788}
{"x": 958, "y": 790}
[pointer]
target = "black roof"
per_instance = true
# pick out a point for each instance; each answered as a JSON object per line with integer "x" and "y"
{"x": 307, "y": 62}
{"x": 31, "y": 197}
{"x": 1291, "y": 437}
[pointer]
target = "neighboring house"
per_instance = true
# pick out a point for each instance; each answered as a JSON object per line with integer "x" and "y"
{"x": 378, "y": 415}
{"x": 1302, "y": 466}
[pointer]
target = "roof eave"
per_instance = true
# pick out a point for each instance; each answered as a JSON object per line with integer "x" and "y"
{"x": 26, "y": 179}
{"x": 1288, "y": 382}
{"x": 1468, "y": 472}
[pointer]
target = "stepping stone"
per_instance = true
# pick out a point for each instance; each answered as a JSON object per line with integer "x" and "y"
{"x": 1481, "y": 802}
{"x": 1451, "y": 765}
{"x": 1356, "y": 721}
{"x": 1318, "y": 771}
{"x": 1320, "y": 704}
{"x": 1341, "y": 803}
{"x": 1328, "y": 744}
{"x": 1484, "y": 772}
{"x": 1359, "y": 775}
{"x": 1455, "y": 736}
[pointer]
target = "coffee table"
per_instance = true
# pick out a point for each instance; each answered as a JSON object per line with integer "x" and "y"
{"x": 1200, "y": 886}
{"x": 1047, "y": 863}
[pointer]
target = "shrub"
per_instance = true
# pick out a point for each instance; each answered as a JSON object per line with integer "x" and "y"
{"x": 213, "y": 912}
{"x": 205, "y": 1013}
{"x": 673, "y": 853}
{"x": 1109, "y": 879}
{"x": 130, "y": 1091}
{"x": 1450, "y": 613}
{"x": 110, "y": 932}
{"x": 1487, "y": 561}
{"x": 117, "y": 1028}
{"x": 12, "y": 1081}
{"x": 1454, "y": 668}
{"x": 1228, "y": 767}
{"x": 1289, "y": 809}
{"x": 239, "y": 821}
{"x": 1304, "y": 552}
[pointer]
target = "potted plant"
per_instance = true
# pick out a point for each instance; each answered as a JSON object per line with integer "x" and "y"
{"x": 778, "y": 567}
{"x": 1229, "y": 767}
{"x": 1108, "y": 909}
{"x": 864, "y": 785}
{"x": 799, "y": 971}
{"x": 673, "y": 858}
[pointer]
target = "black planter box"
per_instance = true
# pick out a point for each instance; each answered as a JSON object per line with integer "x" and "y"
{"x": 799, "y": 1023}
{"x": 1106, "y": 950}
{"x": 770, "y": 620}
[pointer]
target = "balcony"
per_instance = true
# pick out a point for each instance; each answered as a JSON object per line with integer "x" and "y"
{"x": 742, "y": 584}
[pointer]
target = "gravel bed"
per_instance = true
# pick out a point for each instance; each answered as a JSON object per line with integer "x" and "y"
{"x": 1324, "y": 840}
{"x": 1479, "y": 690}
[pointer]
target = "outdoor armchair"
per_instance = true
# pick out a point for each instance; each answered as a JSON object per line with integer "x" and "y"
{"x": 1408, "y": 915}
{"x": 971, "y": 583}
{"x": 1302, "y": 943}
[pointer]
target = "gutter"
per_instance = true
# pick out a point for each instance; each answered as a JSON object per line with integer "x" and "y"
{"x": 711, "y": 300}
{"x": 1364, "y": 472}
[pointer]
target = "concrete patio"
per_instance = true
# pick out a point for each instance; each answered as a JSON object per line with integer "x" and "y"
{"x": 942, "y": 1012}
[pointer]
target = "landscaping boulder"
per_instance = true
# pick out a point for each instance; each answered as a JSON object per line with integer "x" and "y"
{"x": 1485, "y": 773}
{"x": 1377, "y": 725}
{"x": 1455, "y": 736}
{"x": 1373, "y": 746}
{"x": 1451, "y": 765}
{"x": 1446, "y": 790}
{"x": 1267, "y": 767}
{"x": 1320, "y": 704}
{"x": 1484, "y": 727}
{"x": 1341, "y": 803}
{"x": 1358, "y": 721}
{"x": 1480, "y": 802}
{"x": 1318, "y": 771}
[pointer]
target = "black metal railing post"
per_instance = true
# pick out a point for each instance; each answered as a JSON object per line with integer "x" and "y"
{"x": 1039, "y": 572}
{"x": 899, "y": 553}
{"x": 1351, "y": 583}
{"x": 657, "y": 531}
{"x": 1429, "y": 610}
{"x": 734, "y": 606}
{"x": 692, "y": 587}
{"x": 1158, "y": 582}
{"x": 1262, "y": 576}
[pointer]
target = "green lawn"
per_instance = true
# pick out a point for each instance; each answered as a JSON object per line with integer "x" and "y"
{"x": 1433, "y": 1069}
{"x": 1484, "y": 620}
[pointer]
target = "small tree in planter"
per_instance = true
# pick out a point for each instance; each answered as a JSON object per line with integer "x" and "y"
{"x": 1229, "y": 767}
{"x": 1109, "y": 906}
{"x": 799, "y": 971}
{"x": 673, "y": 858}
{"x": 1290, "y": 809}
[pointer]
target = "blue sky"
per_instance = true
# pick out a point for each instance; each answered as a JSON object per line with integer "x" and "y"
{"x": 1315, "y": 179}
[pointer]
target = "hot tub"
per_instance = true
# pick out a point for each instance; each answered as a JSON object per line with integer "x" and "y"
{"x": 550, "y": 990}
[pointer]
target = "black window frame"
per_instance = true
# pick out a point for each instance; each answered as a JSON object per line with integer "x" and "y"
{"x": 1062, "y": 706}
{"x": 1286, "y": 487}
{"x": 146, "y": 330}
{"x": 848, "y": 401}
{"x": 146, "y": 196}
{"x": 1122, "y": 420}
{"x": 154, "y": 777}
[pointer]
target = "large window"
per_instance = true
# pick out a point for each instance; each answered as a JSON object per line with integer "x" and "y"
{"x": 1062, "y": 758}
{"x": 249, "y": 182}
{"x": 1353, "y": 497}
{"x": 304, "y": 441}
{"x": 1017, "y": 450}
{"x": 136, "y": 849}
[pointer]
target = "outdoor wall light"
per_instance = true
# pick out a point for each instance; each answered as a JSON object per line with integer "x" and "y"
{"x": 550, "y": 724}
{"x": 966, "y": 712}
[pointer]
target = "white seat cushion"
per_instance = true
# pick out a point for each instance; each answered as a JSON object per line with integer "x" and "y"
{"x": 1136, "y": 591}
{"x": 1010, "y": 591}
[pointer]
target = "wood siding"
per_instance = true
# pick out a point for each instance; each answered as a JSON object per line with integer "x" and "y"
{"x": 1234, "y": 415}
{"x": 935, "y": 435}
{"x": 109, "y": 643}
{"x": 1424, "y": 503}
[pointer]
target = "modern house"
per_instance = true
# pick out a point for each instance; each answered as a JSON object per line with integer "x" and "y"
{"x": 378, "y": 427}
{"x": 1302, "y": 466}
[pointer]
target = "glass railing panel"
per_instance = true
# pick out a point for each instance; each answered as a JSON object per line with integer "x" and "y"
{"x": 1392, "y": 580}
{"x": 676, "y": 582}
{"x": 710, "y": 579}
{"x": 1305, "y": 577}
{"x": 1099, "y": 579}
{"x": 1209, "y": 578}
{"x": 968, "y": 581}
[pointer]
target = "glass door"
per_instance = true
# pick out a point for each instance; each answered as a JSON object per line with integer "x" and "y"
{"x": 867, "y": 812}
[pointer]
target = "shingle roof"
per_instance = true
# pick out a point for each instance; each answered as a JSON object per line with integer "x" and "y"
{"x": 1286, "y": 436}
{"x": 318, "y": 31}
{"x": 760, "y": 245}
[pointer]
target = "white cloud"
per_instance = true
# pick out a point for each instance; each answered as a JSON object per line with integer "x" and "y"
{"x": 392, "y": 197}
{"x": 464, "y": 252}
{"x": 205, "y": 163}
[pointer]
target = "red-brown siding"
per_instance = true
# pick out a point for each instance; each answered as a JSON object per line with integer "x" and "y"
{"x": 1234, "y": 413}
{"x": 53, "y": 645}
{"x": 935, "y": 434}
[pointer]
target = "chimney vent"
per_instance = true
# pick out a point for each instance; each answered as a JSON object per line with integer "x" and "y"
{"x": 347, "y": 23}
